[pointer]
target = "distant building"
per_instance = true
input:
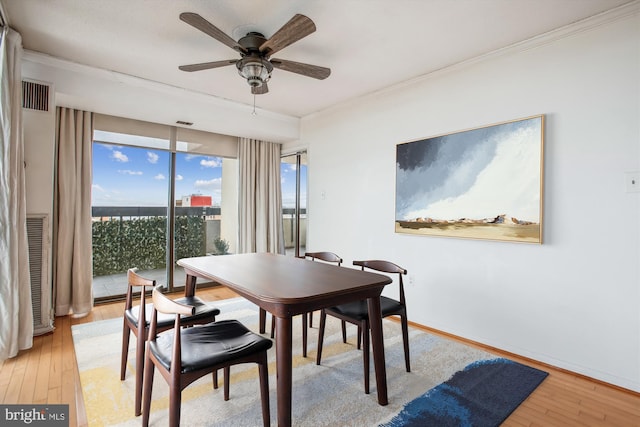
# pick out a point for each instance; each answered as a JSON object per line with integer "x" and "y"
{"x": 196, "y": 200}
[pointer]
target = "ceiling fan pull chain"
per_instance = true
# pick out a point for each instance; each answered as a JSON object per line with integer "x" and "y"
{"x": 253, "y": 113}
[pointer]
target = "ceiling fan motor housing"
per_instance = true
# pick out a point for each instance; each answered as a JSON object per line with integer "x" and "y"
{"x": 254, "y": 65}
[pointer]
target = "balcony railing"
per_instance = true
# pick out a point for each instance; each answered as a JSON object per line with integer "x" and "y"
{"x": 122, "y": 212}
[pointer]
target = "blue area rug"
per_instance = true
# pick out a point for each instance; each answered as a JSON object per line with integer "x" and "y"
{"x": 483, "y": 394}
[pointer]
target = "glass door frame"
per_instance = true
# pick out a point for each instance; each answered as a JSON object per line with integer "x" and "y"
{"x": 298, "y": 194}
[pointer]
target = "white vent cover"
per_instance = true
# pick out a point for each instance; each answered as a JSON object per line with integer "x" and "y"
{"x": 35, "y": 96}
{"x": 37, "y": 228}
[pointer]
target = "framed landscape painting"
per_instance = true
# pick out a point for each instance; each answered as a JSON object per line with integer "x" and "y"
{"x": 483, "y": 183}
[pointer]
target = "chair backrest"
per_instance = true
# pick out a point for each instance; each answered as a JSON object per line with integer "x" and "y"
{"x": 135, "y": 281}
{"x": 163, "y": 304}
{"x": 324, "y": 256}
{"x": 385, "y": 267}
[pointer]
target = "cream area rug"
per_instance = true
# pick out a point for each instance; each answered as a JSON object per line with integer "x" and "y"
{"x": 331, "y": 394}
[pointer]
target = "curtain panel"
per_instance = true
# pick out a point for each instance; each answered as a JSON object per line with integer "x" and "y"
{"x": 72, "y": 265}
{"x": 260, "y": 197}
{"x": 16, "y": 312}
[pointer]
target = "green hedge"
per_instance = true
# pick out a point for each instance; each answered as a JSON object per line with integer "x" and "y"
{"x": 142, "y": 242}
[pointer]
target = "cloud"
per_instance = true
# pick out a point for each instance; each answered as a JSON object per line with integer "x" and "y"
{"x": 210, "y": 184}
{"x": 179, "y": 177}
{"x": 211, "y": 162}
{"x": 119, "y": 156}
{"x": 159, "y": 176}
{"x": 97, "y": 187}
{"x": 152, "y": 157}
{"x": 508, "y": 184}
{"x": 129, "y": 172}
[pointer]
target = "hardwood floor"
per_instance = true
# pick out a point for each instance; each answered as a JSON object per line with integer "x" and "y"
{"x": 48, "y": 373}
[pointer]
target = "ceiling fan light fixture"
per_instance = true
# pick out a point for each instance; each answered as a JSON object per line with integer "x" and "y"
{"x": 255, "y": 70}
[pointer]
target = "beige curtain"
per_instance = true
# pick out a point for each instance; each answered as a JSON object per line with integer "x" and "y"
{"x": 16, "y": 312}
{"x": 260, "y": 197}
{"x": 72, "y": 266}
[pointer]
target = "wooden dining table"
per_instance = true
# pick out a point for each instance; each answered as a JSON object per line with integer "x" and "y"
{"x": 286, "y": 286}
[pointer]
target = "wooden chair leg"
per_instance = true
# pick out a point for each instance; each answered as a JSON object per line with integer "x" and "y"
{"x": 311, "y": 319}
{"x": 273, "y": 326}
{"x": 140, "y": 347}
{"x": 264, "y": 391}
{"x": 365, "y": 355}
{"x": 323, "y": 319}
{"x": 215, "y": 379}
{"x": 148, "y": 388}
{"x": 405, "y": 339}
{"x": 175, "y": 397}
{"x": 304, "y": 335}
{"x": 344, "y": 332}
{"x": 126, "y": 333}
{"x": 227, "y": 381}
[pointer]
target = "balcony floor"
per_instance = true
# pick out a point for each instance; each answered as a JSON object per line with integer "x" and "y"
{"x": 116, "y": 284}
{"x": 106, "y": 287}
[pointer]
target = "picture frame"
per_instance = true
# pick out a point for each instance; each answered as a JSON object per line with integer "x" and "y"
{"x": 481, "y": 183}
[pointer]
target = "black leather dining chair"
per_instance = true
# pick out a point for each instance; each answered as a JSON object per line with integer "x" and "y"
{"x": 328, "y": 257}
{"x": 138, "y": 322}
{"x": 183, "y": 355}
{"x": 357, "y": 313}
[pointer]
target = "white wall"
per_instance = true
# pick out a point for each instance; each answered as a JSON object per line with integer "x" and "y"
{"x": 574, "y": 301}
{"x": 39, "y": 142}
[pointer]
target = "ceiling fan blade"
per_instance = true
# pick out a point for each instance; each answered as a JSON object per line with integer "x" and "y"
{"x": 298, "y": 27}
{"x": 308, "y": 70}
{"x": 207, "y": 27}
{"x": 207, "y": 65}
{"x": 260, "y": 90}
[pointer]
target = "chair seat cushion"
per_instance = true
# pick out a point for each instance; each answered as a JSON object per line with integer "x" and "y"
{"x": 359, "y": 310}
{"x": 203, "y": 311}
{"x": 210, "y": 344}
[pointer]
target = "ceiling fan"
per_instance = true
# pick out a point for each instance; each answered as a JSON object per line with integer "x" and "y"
{"x": 255, "y": 63}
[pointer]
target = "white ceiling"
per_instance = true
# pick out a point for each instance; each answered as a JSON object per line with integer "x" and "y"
{"x": 368, "y": 44}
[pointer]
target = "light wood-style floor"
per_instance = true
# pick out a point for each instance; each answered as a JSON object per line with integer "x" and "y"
{"x": 48, "y": 373}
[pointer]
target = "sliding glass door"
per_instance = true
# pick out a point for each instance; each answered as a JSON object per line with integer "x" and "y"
{"x": 293, "y": 170}
{"x": 129, "y": 210}
{"x": 155, "y": 201}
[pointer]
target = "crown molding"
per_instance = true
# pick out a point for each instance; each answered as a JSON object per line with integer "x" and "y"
{"x": 621, "y": 12}
{"x": 155, "y": 86}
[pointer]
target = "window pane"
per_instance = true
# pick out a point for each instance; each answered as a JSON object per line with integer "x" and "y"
{"x": 129, "y": 204}
{"x": 294, "y": 202}
{"x": 198, "y": 198}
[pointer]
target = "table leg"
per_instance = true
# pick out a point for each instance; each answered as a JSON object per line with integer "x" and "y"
{"x": 375, "y": 318}
{"x": 263, "y": 320}
{"x": 283, "y": 369}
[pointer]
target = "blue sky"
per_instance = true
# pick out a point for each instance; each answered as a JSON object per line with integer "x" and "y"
{"x": 137, "y": 176}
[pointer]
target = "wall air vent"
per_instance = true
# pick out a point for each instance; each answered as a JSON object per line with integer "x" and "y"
{"x": 35, "y": 96}
{"x": 180, "y": 122}
{"x": 37, "y": 226}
